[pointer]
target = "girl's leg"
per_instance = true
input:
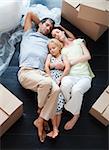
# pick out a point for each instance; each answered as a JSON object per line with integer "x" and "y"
{"x": 55, "y": 122}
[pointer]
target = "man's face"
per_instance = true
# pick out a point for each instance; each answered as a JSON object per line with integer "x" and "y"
{"x": 46, "y": 27}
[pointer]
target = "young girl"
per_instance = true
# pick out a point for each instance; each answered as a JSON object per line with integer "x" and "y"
{"x": 52, "y": 60}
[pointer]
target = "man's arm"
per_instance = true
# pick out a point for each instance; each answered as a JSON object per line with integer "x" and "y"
{"x": 47, "y": 65}
{"x": 30, "y": 17}
{"x": 85, "y": 57}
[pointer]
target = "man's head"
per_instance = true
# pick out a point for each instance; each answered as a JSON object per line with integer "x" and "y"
{"x": 45, "y": 26}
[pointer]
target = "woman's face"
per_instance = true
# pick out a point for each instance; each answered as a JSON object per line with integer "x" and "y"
{"x": 58, "y": 34}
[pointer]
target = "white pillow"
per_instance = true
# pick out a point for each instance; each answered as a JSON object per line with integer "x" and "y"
{"x": 43, "y": 12}
{"x": 10, "y": 14}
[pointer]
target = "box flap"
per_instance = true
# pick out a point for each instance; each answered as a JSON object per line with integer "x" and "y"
{"x": 98, "y": 4}
{"x": 102, "y": 102}
{"x": 8, "y": 102}
{"x": 106, "y": 113}
{"x": 93, "y": 14}
{"x": 3, "y": 117}
{"x": 73, "y": 3}
{"x": 107, "y": 89}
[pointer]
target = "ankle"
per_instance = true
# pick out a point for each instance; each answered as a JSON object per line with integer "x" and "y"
{"x": 55, "y": 129}
{"x": 76, "y": 116}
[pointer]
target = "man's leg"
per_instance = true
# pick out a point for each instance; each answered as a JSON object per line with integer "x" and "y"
{"x": 49, "y": 109}
{"x": 34, "y": 80}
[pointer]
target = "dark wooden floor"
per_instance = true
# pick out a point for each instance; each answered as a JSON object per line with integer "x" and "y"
{"x": 88, "y": 133}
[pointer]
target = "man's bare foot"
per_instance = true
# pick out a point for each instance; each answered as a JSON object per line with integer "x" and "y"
{"x": 70, "y": 124}
{"x": 53, "y": 134}
{"x": 41, "y": 133}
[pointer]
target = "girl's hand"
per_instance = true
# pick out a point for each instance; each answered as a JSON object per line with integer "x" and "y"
{"x": 59, "y": 66}
{"x": 59, "y": 82}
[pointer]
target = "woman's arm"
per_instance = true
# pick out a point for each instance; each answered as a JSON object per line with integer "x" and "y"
{"x": 67, "y": 66}
{"x": 47, "y": 65}
{"x": 69, "y": 34}
{"x": 85, "y": 57}
{"x": 30, "y": 17}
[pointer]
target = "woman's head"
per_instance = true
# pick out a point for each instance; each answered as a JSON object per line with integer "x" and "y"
{"x": 55, "y": 47}
{"x": 59, "y": 34}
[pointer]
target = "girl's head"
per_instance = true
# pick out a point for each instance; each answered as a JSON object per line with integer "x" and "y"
{"x": 55, "y": 47}
{"x": 59, "y": 34}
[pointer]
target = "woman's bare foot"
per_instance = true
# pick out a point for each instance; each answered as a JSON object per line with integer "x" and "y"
{"x": 70, "y": 124}
{"x": 41, "y": 133}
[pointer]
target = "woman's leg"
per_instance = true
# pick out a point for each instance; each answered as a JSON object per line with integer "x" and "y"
{"x": 74, "y": 104}
{"x": 66, "y": 86}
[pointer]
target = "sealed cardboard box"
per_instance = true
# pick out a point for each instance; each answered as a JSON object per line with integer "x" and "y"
{"x": 100, "y": 109}
{"x": 91, "y": 17}
{"x": 11, "y": 109}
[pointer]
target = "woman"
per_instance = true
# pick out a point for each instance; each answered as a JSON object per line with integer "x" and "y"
{"x": 79, "y": 79}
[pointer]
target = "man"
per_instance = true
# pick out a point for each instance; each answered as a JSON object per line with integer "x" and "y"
{"x": 33, "y": 53}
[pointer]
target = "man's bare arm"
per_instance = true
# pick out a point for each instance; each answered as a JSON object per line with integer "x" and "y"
{"x": 30, "y": 17}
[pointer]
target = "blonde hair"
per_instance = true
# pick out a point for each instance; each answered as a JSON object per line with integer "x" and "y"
{"x": 57, "y": 42}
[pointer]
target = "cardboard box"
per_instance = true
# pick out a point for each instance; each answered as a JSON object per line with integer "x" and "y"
{"x": 100, "y": 109}
{"x": 91, "y": 17}
{"x": 11, "y": 109}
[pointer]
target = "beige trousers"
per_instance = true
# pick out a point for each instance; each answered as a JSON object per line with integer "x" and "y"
{"x": 47, "y": 90}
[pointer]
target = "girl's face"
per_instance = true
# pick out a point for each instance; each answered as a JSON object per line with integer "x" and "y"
{"x": 54, "y": 49}
{"x": 58, "y": 34}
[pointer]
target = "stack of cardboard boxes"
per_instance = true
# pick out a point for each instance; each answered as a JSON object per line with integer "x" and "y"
{"x": 90, "y": 16}
{"x": 11, "y": 109}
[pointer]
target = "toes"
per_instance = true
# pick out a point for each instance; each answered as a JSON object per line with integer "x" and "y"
{"x": 50, "y": 134}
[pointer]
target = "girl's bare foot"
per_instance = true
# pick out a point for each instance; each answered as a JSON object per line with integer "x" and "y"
{"x": 70, "y": 124}
{"x": 50, "y": 134}
{"x": 53, "y": 134}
